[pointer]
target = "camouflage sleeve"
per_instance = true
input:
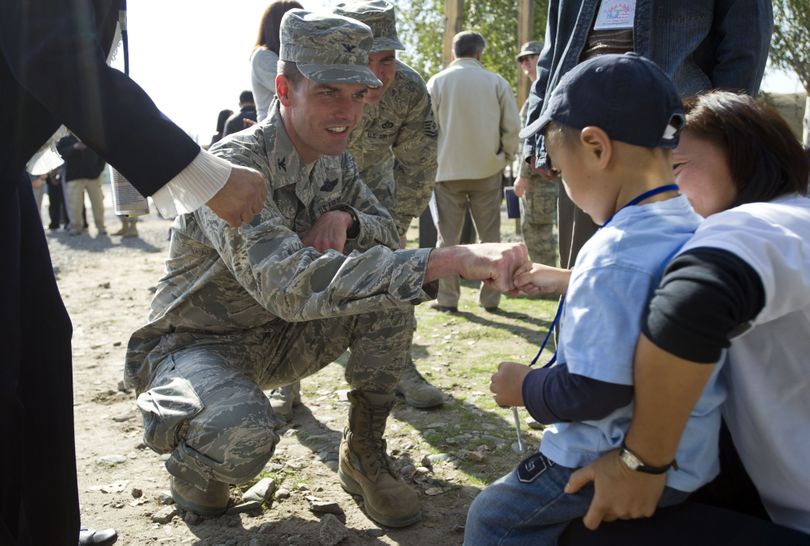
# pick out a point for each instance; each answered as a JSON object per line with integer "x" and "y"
{"x": 376, "y": 225}
{"x": 298, "y": 283}
{"x": 415, "y": 151}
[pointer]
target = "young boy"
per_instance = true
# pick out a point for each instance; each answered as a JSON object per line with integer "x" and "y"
{"x": 609, "y": 128}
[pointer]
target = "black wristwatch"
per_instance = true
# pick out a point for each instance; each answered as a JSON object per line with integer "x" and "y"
{"x": 634, "y": 462}
{"x": 354, "y": 230}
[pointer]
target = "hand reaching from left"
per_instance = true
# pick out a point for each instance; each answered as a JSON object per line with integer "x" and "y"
{"x": 241, "y": 198}
{"x": 493, "y": 263}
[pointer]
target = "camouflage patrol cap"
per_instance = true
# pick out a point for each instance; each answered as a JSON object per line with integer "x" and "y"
{"x": 529, "y": 48}
{"x": 380, "y": 16}
{"x": 327, "y": 48}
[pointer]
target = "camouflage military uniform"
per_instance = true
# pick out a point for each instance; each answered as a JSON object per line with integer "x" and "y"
{"x": 538, "y": 211}
{"x": 250, "y": 308}
{"x": 395, "y": 147}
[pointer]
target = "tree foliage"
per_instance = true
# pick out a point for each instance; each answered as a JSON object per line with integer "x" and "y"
{"x": 421, "y": 28}
{"x": 790, "y": 45}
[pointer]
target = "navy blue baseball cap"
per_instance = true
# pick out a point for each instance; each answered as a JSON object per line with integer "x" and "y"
{"x": 627, "y": 96}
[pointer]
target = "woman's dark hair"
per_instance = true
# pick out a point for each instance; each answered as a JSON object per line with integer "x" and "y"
{"x": 764, "y": 157}
{"x": 271, "y": 22}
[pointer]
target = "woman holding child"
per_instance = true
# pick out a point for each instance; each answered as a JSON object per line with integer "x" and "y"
{"x": 739, "y": 290}
{"x": 739, "y": 293}
{"x": 613, "y": 151}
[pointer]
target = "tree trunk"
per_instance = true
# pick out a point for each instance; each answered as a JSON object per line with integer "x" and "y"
{"x": 452, "y": 26}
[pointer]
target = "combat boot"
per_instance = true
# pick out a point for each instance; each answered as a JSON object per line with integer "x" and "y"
{"x": 132, "y": 230}
{"x": 284, "y": 399}
{"x": 365, "y": 468}
{"x": 417, "y": 391}
{"x": 124, "y": 226}
{"x": 211, "y": 502}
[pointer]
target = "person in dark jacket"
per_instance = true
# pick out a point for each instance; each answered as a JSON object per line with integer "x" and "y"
{"x": 83, "y": 168}
{"x": 57, "y": 209}
{"x": 245, "y": 117}
{"x": 53, "y": 72}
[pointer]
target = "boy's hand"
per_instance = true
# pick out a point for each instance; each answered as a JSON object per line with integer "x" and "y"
{"x": 542, "y": 279}
{"x": 493, "y": 263}
{"x": 507, "y": 383}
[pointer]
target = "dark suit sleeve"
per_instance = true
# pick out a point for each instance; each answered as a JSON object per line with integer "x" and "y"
{"x": 53, "y": 50}
{"x": 554, "y": 395}
{"x": 741, "y": 35}
{"x": 538, "y": 91}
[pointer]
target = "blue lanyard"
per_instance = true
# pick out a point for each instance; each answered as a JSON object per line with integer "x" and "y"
{"x": 635, "y": 201}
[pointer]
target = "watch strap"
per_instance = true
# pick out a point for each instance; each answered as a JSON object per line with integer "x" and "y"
{"x": 354, "y": 230}
{"x": 638, "y": 464}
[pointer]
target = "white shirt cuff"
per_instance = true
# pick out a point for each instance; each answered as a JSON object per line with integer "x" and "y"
{"x": 193, "y": 186}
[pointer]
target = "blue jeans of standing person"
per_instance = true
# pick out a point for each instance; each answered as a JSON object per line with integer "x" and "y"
{"x": 529, "y": 506}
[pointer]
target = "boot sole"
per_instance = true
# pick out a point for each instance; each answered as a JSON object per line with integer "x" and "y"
{"x": 419, "y": 405}
{"x": 354, "y": 488}
{"x": 422, "y": 405}
{"x": 185, "y": 504}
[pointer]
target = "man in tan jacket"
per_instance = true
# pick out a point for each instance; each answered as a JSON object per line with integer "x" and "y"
{"x": 478, "y": 124}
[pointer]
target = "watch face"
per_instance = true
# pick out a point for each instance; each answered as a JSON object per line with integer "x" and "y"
{"x": 632, "y": 462}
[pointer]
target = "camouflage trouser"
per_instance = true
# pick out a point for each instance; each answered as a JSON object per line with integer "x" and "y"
{"x": 537, "y": 219}
{"x": 205, "y": 403}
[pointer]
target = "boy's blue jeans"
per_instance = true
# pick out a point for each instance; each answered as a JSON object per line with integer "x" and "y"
{"x": 529, "y": 506}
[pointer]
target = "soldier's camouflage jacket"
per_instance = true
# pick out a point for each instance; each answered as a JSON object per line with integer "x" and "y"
{"x": 394, "y": 147}
{"x": 225, "y": 285}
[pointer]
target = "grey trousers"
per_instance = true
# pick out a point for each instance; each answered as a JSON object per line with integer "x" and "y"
{"x": 75, "y": 200}
{"x": 206, "y": 406}
{"x": 484, "y": 197}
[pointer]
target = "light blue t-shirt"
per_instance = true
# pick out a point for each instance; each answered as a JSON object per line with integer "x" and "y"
{"x": 613, "y": 279}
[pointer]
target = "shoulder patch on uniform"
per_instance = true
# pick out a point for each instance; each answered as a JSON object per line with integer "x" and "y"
{"x": 430, "y": 128}
{"x": 329, "y": 185}
{"x": 282, "y": 164}
{"x": 532, "y": 467}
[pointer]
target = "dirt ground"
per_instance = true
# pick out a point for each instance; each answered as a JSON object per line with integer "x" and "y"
{"x": 448, "y": 454}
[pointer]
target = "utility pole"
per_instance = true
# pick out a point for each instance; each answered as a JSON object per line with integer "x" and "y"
{"x": 525, "y": 33}
{"x": 452, "y": 26}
